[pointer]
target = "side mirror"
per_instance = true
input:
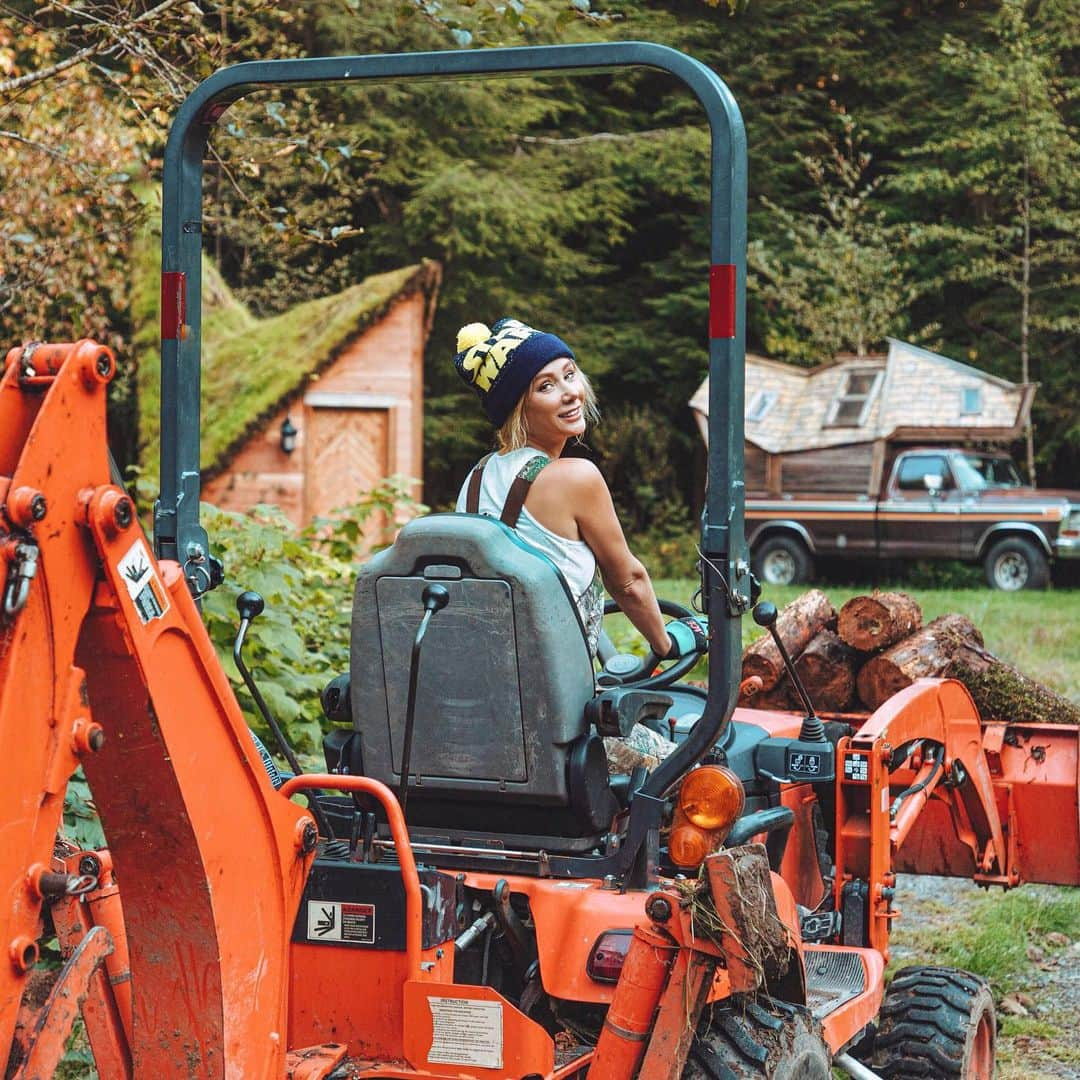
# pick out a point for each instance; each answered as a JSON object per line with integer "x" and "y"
{"x": 933, "y": 483}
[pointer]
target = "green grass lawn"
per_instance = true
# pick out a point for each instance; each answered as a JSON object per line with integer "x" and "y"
{"x": 1037, "y": 632}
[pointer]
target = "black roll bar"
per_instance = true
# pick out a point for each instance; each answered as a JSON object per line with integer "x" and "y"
{"x": 725, "y": 569}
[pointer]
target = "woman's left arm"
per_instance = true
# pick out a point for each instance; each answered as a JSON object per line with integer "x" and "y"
{"x": 624, "y": 576}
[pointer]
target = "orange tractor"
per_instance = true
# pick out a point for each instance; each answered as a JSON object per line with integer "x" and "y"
{"x": 467, "y": 893}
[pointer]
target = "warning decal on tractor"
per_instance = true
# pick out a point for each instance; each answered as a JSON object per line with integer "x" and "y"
{"x": 466, "y": 1032}
{"x": 143, "y": 585}
{"x": 331, "y": 920}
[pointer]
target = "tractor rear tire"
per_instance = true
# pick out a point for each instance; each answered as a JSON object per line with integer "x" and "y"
{"x": 936, "y": 1022}
{"x": 748, "y": 1038}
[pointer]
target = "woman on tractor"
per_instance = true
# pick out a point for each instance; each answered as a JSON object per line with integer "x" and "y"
{"x": 533, "y": 391}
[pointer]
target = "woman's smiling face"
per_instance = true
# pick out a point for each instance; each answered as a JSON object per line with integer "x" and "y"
{"x": 554, "y": 408}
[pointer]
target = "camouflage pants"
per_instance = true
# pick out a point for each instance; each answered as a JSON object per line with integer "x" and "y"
{"x": 641, "y": 747}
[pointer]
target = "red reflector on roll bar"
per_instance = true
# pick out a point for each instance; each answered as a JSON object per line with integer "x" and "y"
{"x": 722, "y": 300}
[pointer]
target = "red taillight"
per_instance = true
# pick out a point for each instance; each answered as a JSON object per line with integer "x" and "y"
{"x": 608, "y": 955}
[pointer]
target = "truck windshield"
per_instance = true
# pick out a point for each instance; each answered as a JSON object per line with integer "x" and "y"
{"x": 977, "y": 471}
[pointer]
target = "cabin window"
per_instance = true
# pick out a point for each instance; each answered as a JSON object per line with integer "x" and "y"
{"x": 760, "y": 404}
{"x": 851, "y": 406}
{"x": 971, "y": 401}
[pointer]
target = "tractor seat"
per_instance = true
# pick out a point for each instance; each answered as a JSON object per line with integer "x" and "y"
{"x": 501, "y": 744}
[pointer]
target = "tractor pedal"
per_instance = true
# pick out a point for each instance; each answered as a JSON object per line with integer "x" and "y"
{"x": 818, "y": 926}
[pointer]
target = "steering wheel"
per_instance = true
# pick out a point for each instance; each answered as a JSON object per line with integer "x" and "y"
{"x": 627, "y": 670}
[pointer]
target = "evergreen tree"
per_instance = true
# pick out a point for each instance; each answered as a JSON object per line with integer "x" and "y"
{"x": 838, "y": 282}
{"x": 1003, "y": 183}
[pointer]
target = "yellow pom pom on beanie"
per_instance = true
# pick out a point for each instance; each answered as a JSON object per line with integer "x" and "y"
{"x": 471, "y": 335}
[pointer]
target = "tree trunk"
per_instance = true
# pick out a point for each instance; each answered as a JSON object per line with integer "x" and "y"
{"x": 951, "y": 647}
{"x": 925, "y": 654}
{"x": 1003, "y": 693}
{"x": 781, "y": 698}
{"x": 799, "y": 622}
{"x": 827, "y": 669}
{"x": 870, "y": 623}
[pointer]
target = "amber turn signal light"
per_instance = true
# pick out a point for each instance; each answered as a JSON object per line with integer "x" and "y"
{"x": 712, "y": 798}
{"x": 710, "y": 802}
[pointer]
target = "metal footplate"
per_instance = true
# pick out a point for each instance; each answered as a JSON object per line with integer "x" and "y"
{"x": 833, "y": 978}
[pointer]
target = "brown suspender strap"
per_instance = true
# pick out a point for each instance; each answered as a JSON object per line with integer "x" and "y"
{"x": 519, "y": 489}
{"x": 472, "y": 496}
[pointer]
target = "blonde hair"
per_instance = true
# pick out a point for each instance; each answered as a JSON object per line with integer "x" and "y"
{"x": 514, "y": 435}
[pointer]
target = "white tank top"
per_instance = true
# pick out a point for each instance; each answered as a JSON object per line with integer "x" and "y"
{"x": 574, "y": 558}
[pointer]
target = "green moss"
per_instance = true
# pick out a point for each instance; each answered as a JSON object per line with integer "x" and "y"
{"x": 250, "y": 366}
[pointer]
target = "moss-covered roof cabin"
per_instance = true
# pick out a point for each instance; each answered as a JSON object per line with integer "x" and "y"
{"x": 308, "y": 409}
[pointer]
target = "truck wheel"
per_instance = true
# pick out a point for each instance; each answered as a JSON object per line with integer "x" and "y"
{"x": 1016, "y": 563}
{"x": 748, "y": 1038}
{"x": 936, "y": 1022}
{"x": 782, "y": 560}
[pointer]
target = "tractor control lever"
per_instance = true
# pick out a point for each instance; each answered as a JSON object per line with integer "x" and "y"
{"x": 434, "y": 598}
{"x": 812, "y": 728}
{"x": 250, "y": 605}
{"x": 810, "y": 758}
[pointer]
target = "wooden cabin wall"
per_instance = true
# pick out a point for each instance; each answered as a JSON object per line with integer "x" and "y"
{"x": 754, "y": 460}
{"x": 839, "y": 469}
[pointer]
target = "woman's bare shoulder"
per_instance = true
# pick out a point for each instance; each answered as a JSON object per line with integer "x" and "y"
{"x": 578, "y": 472}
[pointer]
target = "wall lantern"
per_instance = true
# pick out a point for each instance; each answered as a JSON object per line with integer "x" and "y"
{"x": 288, "y": 436}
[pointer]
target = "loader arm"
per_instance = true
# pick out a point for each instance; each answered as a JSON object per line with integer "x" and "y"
{"x": 925, "y": 787}
{"x": 105, "y": 663}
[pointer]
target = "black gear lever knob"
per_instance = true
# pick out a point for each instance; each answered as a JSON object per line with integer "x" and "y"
{"x": 249, "y": 604}
{"x": 765, "y": 613}
{"x": 435, "y": 597}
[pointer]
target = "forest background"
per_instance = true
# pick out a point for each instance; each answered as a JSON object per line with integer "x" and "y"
{"x": 913, "y": 172}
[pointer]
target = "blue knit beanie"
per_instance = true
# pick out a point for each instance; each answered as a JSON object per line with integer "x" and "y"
{"x": 500, "y": 363}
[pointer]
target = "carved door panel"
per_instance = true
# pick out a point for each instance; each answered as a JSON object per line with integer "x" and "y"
{"x": 347, "y": 452}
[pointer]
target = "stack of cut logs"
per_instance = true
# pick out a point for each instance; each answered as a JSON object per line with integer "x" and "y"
{"x": 854, "y": 660}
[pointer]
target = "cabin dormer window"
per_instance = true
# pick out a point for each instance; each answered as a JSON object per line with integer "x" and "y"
{"x": 971, "y": 401}
{"x": 851, "y": 406}
{"x": 760, "y": 404}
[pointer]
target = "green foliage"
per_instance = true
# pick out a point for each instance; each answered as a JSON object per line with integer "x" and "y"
{"x": 836, "y": 281}
{"x": 81, "y": 823}
{"x": 579, "y": 204}
{"x": 301, "y": 640}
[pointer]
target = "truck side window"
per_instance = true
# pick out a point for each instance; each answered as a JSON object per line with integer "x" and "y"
{"x": 913, "y": 469}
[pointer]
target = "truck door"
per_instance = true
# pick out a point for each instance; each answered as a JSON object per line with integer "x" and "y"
{"x": 920, "y": 518}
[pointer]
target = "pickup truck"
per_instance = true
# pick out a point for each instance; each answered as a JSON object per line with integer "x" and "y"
{"x": 936, "y": 503}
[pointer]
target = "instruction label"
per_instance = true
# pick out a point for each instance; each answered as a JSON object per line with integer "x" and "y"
{"x": 143, "y": 585}
{"x": 466, "y": 1032}
{"x": 332, "y": 920}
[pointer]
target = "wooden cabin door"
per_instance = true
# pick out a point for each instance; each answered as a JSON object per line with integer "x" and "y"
{"x": 347, "y": 452}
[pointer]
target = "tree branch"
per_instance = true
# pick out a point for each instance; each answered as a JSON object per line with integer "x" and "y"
{"x": 600, "y": 136}
{"x": 106, "y": 47}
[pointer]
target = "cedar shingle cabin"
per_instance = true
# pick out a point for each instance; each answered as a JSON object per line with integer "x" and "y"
{"x": 834, "y": 428}
{"x": 346, "y": 370}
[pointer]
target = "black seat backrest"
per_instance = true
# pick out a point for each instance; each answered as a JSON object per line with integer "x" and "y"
{"x": 505, "y": 673}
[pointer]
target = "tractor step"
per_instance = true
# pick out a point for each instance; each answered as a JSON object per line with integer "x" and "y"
{"x": 833, "y": 978}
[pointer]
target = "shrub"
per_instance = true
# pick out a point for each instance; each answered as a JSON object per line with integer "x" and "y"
{"x": 301, "y": 640}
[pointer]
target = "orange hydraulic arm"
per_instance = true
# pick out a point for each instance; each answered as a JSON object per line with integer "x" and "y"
{"x": 104, "y": 662}
{"x": 996, "y": 802}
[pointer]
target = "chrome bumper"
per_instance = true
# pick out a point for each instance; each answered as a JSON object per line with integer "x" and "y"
{"x": 1067, "y": 547}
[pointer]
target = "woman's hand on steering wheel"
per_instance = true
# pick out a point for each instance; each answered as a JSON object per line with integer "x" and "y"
{"x": 691, "y": 647}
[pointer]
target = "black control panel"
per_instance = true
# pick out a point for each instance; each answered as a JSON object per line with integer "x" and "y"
{"x": 795, "y": 761}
